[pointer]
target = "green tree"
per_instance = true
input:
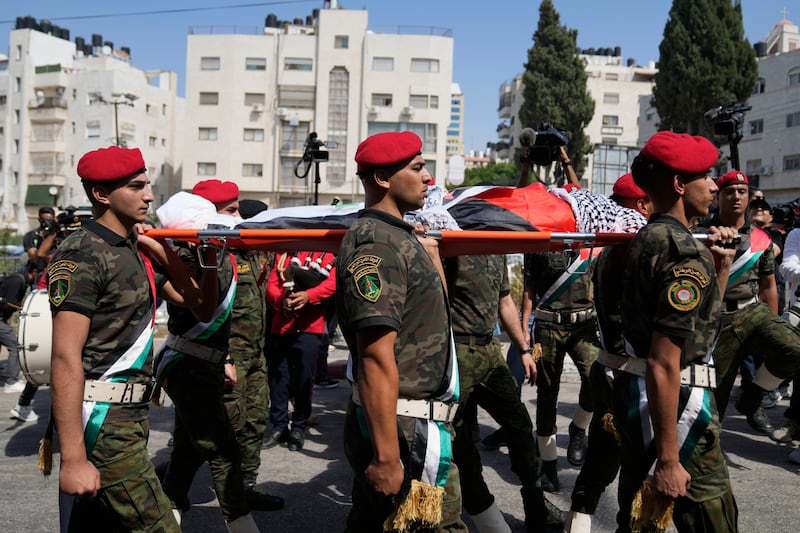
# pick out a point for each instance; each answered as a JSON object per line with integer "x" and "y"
{"x": 555, "y": 84}
{"x": 704, "y": 62}
{"x": 493, "y": 173}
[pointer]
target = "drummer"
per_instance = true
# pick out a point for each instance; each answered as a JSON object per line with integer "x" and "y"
{"x": 12, "y": 290}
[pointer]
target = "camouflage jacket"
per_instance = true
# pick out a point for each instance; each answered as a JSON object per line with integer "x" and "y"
{"x": 607, "y": 281}
{"x": 475, "y": 284}
{"x": 250, "y": 306}
{"x": 670, "y": 286}
{"x": 545, "y": 268}
{"x": 386, "y": 278}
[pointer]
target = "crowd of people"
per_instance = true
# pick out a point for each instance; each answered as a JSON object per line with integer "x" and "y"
{"x": 659, "y": 329}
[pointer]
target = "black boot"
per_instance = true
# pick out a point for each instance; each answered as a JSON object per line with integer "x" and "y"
{"x": 749, "y": 404}
{"x": 576, "y": 451}
{"x": 540, "y": 513}
{"x": 548, "y": 477}
{"x": 258, "y": 499}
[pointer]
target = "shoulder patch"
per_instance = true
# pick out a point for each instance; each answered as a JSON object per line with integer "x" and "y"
{"x": 243, "y": 268}
{"x": 366, "y": 277}
{"x": 58, "y": 284}
{"x": 688, "y": 272}
{"x": 683, "y": 295}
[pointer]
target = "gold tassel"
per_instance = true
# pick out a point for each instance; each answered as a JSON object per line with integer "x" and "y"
{"x": 537, "y": 352}
{"x": 421, "y": 508}
{"x": 651, "y": 509}
{"x": 45, "y": 461}
{"x": 609, "y": 427}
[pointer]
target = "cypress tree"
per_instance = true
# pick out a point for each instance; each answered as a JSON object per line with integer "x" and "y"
{"x": 555, "y": 84}
{"x": 704, "y": 62}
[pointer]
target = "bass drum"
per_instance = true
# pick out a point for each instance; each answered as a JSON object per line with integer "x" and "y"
{"x": 35, "y": 337}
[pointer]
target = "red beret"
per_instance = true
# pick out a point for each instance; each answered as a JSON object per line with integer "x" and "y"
{"x": 111, "y": 164}
{"x": 216, "y": 191}
{"x": 734, "y": 177}
{"x": 683, "y": 153}
{"x": 383, "y": 149}
{"x": 626, "y": 188}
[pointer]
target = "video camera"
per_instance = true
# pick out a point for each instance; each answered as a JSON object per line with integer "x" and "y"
{"x": 788, "y": 214}
{"x": 727, "y": 118}
{"x": 313, "y": 151}
{"x": 543, "y": 144}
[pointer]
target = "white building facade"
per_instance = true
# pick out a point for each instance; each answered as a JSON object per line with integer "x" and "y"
{"x": 253, "y": 100}
{"x": 59, "y": 100}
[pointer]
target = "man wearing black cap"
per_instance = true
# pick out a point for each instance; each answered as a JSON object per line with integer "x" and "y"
{"x": 750, "y": 322}
{"x": 670, "y": 304}
{"x": 102, "y": 288}
{"x": 393, "y": 312}
{"x": 33, "y": 239}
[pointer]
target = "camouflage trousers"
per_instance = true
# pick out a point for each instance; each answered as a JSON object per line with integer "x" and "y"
{"x": 370, "y": 508}
{"x": 602, "y": 453}
{"x": 130, "y": 496}
{"x": 754, "y": 329}
{"x": 485, "y": 378}
{"x": 203, "y": 433}
{"x": 580, "y": 341}
{"x": 709, "y": 504}
{"x": 247, "y": 406}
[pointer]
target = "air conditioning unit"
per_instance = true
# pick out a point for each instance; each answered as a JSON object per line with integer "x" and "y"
{"x": 766, "y": 170}
{"x": 258, "y": 108}
{"x": 408, "y": 110}
{"x": 373, "y": 110}
{"x": 282, "y": 112}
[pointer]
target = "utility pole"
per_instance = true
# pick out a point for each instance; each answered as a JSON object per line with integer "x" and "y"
{"x": 118, "y": 99}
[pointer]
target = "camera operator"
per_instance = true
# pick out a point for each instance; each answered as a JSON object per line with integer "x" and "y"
{"x": 526, "y": 139}
{"x": 33, "y": 239}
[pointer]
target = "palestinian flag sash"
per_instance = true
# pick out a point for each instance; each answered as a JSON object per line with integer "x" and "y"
{"x": 130, "y": 361}
{"x": 578, "y": 267}
{"x": 651, "y": 509}
{"x": 749, "y": 252}
{"x": 168, "y": 357}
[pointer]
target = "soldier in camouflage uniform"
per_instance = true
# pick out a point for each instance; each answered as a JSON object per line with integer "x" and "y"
{"x": 750, "y": 322}
{"x": 559, "y": 285}
{"x": 478, "y": 291}
{"x": 101, "y": 288}
{"x": 194, "y": 368}
{"x": 394, "y": 315}
{"x": 602, "y": 451}
{"x": 670, "y": 314}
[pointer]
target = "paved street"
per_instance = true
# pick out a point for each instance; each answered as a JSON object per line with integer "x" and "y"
{"x": 316, "y": 481}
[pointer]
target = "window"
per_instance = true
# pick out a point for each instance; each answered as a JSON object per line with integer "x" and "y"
{"x": 761, "y": 85}
{"x": 793, "y": 119}
{"x": 254, "y": 98}
{"x": 255, "y": 63}
{"x": 613, "y": 76}
{"x": 756, "y": 126}
{"x": 3, "y": 99}
{"x": 384, "y": 64}
{"x": 2, "y": 131}
{"x": 298, "y": 63}
{"x": 610, "y": 98}
{"x": 209, "y": 98}
{"x": 294, "y": 137}
{"x": 252, "y": 170}
{"x": 381, "y": 100}
{"x": 424, "y": 65}
{"x": 16, "y": 116}
{"x": 610, "y": 120}
{"x": 207, "y": 134}
{"x": 206, "y": 169}
{"x": 19, "y": 52}
{"x": 209, "y": 63}
{"x": 254, "y": 135}
{"x": 338, "y": 107}
{"x": 163, "y": 109}
{"x": 298, "y": 96}
{"x": 18, "y": 84}
{"x": 609, "y": 141}
{"x": 152, "y": 141}
{"x": 341, "y": 41}
{"x": 423, "y": 101}
{"x": 753, "y": 166}
{"x": 794, "y": 77}
{"x": 791, "y": 162}
{"x": 147, "y": 108}
{"x": 93, "y": 129}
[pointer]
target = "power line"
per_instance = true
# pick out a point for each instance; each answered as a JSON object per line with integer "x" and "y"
{"x": 169, "y": 11}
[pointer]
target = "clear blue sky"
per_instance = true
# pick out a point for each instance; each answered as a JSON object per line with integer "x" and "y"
{"x": 491, "y": 39}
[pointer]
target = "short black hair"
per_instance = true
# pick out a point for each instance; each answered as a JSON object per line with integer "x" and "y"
{"x": 45, "y": 210}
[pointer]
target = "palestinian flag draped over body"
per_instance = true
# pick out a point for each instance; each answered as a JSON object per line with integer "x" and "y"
{"x": 481, "y": 220}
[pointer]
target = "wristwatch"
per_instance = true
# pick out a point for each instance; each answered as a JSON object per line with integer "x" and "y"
{"x": 567, "y": 163}
{"x": 528, "y": 351}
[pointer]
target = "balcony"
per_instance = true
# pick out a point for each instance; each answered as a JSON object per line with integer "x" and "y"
{"x": 503, "y": 131}
{"x": 611, "y": 130}
{"x": 50, "y": 109}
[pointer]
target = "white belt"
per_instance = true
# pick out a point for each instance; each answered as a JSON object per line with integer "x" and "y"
{"x": 564, "y": 317}
{"x": 195, "y": 349}
{"x": 426, "y": 409}
{"x": 695, "y": 375}
{"x": 122, "y": 393}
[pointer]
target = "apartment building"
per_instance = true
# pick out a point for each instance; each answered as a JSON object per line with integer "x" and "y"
{"x": 455, "y": 130}
{"x": 254, "y": 98}
{"x": 60, "y": 99}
